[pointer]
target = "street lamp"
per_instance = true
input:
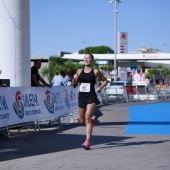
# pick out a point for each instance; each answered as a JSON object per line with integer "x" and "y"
{"x": 115, "y": 33}
{"x": 84, "y": 47}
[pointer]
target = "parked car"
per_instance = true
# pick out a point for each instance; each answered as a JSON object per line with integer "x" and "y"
{"x": 120, "y": 83}
{"x": 116, "y": 90}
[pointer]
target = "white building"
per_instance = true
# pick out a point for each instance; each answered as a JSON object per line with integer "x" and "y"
{"x": 124, "y": 60}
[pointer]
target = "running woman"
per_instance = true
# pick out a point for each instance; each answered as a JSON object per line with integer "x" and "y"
{"x": 87, "y": 100}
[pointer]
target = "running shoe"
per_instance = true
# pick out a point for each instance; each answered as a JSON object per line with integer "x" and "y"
{"x": 93, "y": 120}
{"x": 86, "y": 145}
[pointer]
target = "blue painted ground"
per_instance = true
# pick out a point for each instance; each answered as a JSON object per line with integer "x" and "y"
{"x": 149, "y": 119}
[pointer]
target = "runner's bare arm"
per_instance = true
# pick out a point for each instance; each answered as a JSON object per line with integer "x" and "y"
{"x": 76, "y": 77}
{"x": 101, "y": 77}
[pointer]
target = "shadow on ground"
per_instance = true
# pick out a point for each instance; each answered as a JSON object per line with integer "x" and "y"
{"x": 51, "y": 141}
{"x": 46, "y": 142}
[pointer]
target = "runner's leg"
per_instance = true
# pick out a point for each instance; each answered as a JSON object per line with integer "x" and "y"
{"x": 88, "y": 115}
{"x": 82, "y": 114}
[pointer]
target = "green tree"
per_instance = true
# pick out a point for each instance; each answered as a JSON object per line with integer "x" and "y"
{"x": 68, "y": 65}
{"x": 57, "y": 64}
{"x": 97, "y": 50}
{"x": 148, "y": 76}
{"x": 110, "y": 67}
{"x": 103, "y": 68}
{"x": 95, "y": 64}
{"x": 45, "y": 72}
{"x": 165, "y": 74}
{"x": 160, "y": 68}
{"x": 78, "y": 66}
{"x": 151, "y": 73}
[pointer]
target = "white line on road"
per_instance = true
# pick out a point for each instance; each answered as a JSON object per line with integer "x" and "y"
{"x": 7, "y": 150}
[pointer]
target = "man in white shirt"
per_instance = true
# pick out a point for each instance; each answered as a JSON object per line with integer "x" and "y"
{"x": 67, "y": 81}
{"x": 58, "y": 79}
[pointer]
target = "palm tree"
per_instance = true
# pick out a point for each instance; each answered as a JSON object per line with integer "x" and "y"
{"x": 152, "y": 73}
{"x": 103, "y": 68}
{"x": 160, "y": 68}
{"x": 78, "y": 66}
{"x": 54, "y": 67}
{"x": 95, "y": 64}
{"x": 110, "y": 67}
{"x": 71, "y": 65}
{"x": 68, "y": 65}
{"x": 45, "y": 72}
{"x": 165, "y": 73}
{"x": 148, "y": 76}
{"x": 57, "y": 64}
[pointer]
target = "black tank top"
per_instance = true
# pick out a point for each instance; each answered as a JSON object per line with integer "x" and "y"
{"x": 88, "y": 78}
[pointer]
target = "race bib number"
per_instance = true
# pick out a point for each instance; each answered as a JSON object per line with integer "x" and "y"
{"x": 85, "y": 87}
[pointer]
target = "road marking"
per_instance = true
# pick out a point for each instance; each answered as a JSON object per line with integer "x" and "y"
{"x": 7, "y": 150}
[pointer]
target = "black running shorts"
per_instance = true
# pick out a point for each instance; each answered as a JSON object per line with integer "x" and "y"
{"x": 83, "y": 102}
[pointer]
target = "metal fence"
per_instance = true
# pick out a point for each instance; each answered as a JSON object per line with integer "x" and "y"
{"x": 134, "y": 93}
{"x": 36, "y": 125}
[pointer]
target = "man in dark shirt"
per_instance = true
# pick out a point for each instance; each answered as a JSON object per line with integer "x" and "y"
{"x": 36, "y": 79}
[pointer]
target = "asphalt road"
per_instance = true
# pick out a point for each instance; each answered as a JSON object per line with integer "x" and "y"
{"x": 111, "y": 148}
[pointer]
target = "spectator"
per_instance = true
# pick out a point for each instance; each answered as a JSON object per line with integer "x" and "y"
{"x": 66, "y": 80}
{"x": 129, "y": 78}
{"x": 151, "y": 82}
{"x": 69, "y": 77}
{"x": 118, "y": 79}
{"x": 58, "y": 79}
{"x": 36, "y": 79}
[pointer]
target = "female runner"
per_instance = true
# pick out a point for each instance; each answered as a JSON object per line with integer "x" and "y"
{"x": 87, "y": 100}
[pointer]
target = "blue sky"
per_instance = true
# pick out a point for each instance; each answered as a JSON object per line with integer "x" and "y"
{"x": 65, "y": 25}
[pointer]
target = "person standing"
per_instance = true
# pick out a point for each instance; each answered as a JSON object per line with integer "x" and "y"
{"x": 87, "y": 99}
{"x": 36, "y": 79}
{"x": 58, "y": 79}
{"x": 129, "y": 78}
{"x": 68, "y": 78}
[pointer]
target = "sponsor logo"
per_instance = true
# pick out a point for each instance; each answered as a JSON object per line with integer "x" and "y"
{"x": 18, "y": 105}
{"x": 70, "y": 98}
{"x": 23, "y": 101}
{"x": 150, "y": 56}
{"x": 66, "y": 99}
{"x": 72, "y": 95}
{"x": 3, "y": 108}
{"x": 54, "y": 102}
{"x": 3, "y": 104}
{"x": 48, "y": 102}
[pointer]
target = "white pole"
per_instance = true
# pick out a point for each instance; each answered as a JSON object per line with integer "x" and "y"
{"x": 15, "y": 42}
